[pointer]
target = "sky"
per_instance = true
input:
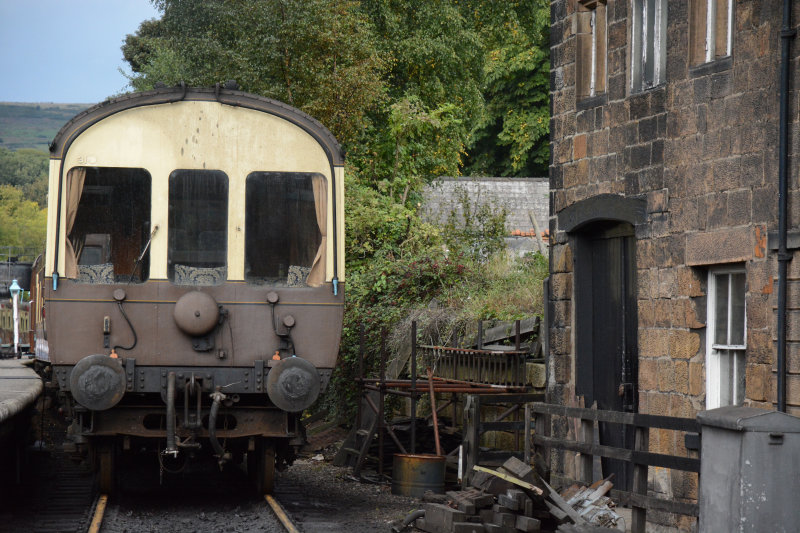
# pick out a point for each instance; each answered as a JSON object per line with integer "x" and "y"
{"x": 66, "y": 51}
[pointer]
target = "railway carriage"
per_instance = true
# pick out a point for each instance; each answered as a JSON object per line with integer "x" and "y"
{"x": 194, "y": 275}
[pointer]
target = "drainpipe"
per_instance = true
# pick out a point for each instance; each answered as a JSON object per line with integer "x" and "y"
{"x": 787, "y": 34}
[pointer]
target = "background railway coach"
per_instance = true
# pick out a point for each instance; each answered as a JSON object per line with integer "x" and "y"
{"x": 193, "y": 277}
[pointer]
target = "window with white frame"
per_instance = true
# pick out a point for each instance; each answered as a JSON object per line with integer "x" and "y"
{"x": 727, "y": 337}
{"x": 649, "y": 36}
{"x": 710, "y": 35}
{"x": 591, "y": 48}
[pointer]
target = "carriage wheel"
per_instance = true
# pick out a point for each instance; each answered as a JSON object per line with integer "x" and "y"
{"x": 261, "y": 466}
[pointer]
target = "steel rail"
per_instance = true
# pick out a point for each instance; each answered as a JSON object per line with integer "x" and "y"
{"x": 281, "y": 514}
{"x": 99, "y": 511}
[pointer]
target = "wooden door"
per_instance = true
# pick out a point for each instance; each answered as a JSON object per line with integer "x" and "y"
{"x": 606, "y": 331}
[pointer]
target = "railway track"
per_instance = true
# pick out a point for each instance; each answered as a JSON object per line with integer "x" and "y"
{"x": 111, "y": 517}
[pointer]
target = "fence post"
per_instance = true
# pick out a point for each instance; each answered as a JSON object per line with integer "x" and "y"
{"x": 472, "y": 422}
{"x": 542, "y": 427}
{"x": 639, "y": 514}
{"x": 587, "y": 437}
{"x": 527, "y": 434}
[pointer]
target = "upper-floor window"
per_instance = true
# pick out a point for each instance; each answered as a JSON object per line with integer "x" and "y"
{"x": 198, "y": 227}
{"x": 108, "y": 224}
{"x": 285, "y": 218}
{"x": 591, "y": 48}
{"x": 710, "y": 36}
{"x": 727, "y": 338}
{"x": 649, "y": 32}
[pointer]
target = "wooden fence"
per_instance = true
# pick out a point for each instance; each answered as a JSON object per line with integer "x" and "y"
{"x": 639, "y": 456}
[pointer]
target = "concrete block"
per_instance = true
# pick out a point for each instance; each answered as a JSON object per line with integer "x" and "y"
{"x": 494, "y": 528}
{"x": 467, "y": 527}
{"x": 505, "y": 519}
{"x": 507, "y": 501}
{"x": 519, "y": 496}
{"x": 497, "y": 508}
{"x": 519, "y": 469}
{"x": 528, "y": 509}
{"x": 528, "y": 524}
{"x": 486, "y": 515}
{"x": 441, "y": 517}
{"x": 466, "y": 506}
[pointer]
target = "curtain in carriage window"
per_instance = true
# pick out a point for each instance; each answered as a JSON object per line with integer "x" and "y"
{"x": 75, "y": 178}
{"x": 285, "y": 228}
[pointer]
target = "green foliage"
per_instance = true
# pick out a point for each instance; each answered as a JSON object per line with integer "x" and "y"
{"x": 22, "y": 222}
{"x": 317, "y": 55}
{"x": 476, "y": 231}
{"x": 27, "y": 170}
{"x": 514, "y": 139}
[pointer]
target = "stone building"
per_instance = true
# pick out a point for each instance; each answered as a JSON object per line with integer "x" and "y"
{"x": 665, "y": 200}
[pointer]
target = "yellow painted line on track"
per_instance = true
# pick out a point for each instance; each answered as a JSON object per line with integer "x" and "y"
{"x": 281, "y": 514}
{"x": 99, "y": 511}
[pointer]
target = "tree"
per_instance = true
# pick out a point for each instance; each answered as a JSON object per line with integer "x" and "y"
{"x": 514, "y": 139}
{"x": 27, "y": 170}
{"x": 22, "y": 222}
{"x": 317, "y": 55}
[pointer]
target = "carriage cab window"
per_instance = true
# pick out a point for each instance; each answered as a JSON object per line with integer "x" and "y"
{"x": 198, "y": 224}
{"x": 285, "y": 221}
{"x": 108, "y": 224}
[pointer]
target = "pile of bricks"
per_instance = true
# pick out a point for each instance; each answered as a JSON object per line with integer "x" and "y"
{"x": 514, "y": 498}
{"x": 491, "y": 505}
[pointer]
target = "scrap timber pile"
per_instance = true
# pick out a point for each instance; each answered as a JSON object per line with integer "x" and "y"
{"x": 514, "y": 498}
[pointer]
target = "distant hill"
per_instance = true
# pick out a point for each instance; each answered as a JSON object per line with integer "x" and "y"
{"x": 33, "y": 125}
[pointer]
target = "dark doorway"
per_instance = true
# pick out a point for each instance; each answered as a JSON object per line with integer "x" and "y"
{"x": 606, "y": 322}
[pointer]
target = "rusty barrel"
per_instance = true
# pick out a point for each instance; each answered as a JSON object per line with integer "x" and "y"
{"x": 413, "y": 474}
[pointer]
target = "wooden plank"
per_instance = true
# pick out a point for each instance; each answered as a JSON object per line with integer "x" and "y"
{"x": 556, "y": 498}
{"x": 527, "y": 431}
{"x": 587, "y": 437}
{"x": 512, "y": 479}
{"x": 687, "y": 464}
{"x": 617, "y": 417}
{"x": 638, "y": 512}
{"x": 503, "y": 425}
{"x": 472, "y": 418}
{"x": 507, "y": 330}
{"x": 512, "y": 398}
{"x": 653, "y": 503}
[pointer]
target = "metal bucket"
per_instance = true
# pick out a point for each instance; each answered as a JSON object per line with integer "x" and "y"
{"x": 414, "y": 474}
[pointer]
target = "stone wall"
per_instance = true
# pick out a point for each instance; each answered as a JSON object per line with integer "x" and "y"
{"x": 520, "y": 197}
{"x": 702, "y": 150}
